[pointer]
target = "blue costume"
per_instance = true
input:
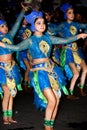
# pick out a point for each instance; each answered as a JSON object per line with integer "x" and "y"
{"x": 9, "y": 72}
{"x": 52, "y": 26}
{"x": 45, "y": 74}
{"x": 56, "y": 55}
{"x": 23, "y": 54}
{"x": 70, "y": 52}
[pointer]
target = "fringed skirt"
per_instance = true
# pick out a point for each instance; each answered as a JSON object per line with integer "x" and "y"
{"x": 46, "y": 75}
{"x": 10, "y": 76}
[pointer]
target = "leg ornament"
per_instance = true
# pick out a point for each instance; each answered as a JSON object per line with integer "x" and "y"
{"x": 81, "y": 90}
{"x": 10, "y": 119}
{"x": 5, "y": 118}
{"x": 47, "y": 123}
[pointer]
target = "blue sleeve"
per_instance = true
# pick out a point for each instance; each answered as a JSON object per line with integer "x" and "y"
{"x": 56, "y": 30}
{"x": 59, "y": 40}
{"x": 83, "y": 26}
{"x": 21, "y": 46}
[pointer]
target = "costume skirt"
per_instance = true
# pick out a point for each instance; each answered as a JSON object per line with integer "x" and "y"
{"x": 46, "y": 75}
{"x": 10, "y": 76}
{"x": 69, "y": 56}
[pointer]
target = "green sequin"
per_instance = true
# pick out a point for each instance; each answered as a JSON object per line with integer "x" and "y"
{"x": 63, "y": 57}
{"x": 81, "y": 86}
{"x": 52, "y": 123}
{"x": 10, "y": 113}
{"x": 19, "y": 87}
{"x": 37, "y": 88}
{"x": 5, "y": 113}
{"x": 47, "y": 122}
{"x": 1, "y": 94}
{"x": 65, "y": 90}
{"x": 71, "y": 92}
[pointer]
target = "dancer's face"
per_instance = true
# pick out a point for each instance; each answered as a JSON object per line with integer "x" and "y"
{"x": 70, "y": 14}
{"x": 40, "y": 25}
{"x": 48, "y": 16}
{"x": 4, "y": 29}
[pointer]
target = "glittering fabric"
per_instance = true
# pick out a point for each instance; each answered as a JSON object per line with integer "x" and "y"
{"x": 46, "y": 74}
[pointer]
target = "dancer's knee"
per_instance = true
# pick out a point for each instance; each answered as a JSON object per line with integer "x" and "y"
{"x": 76, "y": 75}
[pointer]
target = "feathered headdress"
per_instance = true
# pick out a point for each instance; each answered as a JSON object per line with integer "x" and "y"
{"x": 30, "y": 18}
{"x": 2, "y": 22}
{"x": 64, "y": 8}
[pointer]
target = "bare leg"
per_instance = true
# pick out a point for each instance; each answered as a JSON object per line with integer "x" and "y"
{"x": 10, "y": 106}
{"x": 73, "y": 80}
{"x": 56, "y": 108}
{"x": 5, "y": 103}
{"x": 27, "y": 64}
{"x": 83, "y": 77}
{"x": 26, "y": 77}
{"x": 51, "y": 98}
{"x": 10, "y": 110}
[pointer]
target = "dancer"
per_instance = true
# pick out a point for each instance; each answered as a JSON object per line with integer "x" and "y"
{"x": 72, "y": 59}
{"x": 10, "y": 76}
{"x": 45, "y": 76}
{"x": 23, "y": 56}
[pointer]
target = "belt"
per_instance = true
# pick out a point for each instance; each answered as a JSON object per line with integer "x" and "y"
{"x": 47, "y": 66}
{"x": 7, "y": 66}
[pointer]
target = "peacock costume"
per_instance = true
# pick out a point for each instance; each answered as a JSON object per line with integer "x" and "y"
{"x": 44, "y": 74}
{"x": 25, "y": 29}
{"x": 10, "y": 72}
{"x": 70, "y": 52}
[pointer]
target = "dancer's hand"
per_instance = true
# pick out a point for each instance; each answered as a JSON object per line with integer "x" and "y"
{"x": 2, "y": 44}
{"x": 23, "y": 7}
{"x": 82, "y": 35}
{"x": 26, "y": 5}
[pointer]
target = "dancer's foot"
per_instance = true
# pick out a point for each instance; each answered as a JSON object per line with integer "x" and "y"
{"x": 72, "y": 97}
{"x": 82, "y": 92}
{"x": 5, "y": 121}
{"x": 52, "y": 128}
{"x": 12, "y": 121}
{"x": 48, "y": 128}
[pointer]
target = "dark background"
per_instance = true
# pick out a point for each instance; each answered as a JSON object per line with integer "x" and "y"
{"x": 10, "y": 8}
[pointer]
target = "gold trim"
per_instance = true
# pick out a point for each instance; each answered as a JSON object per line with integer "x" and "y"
{"x": 8, "y": 66}
{"x": 45, "y": 68}
{"x": 73, "y": 49}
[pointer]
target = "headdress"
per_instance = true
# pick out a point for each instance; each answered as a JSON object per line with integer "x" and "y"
{"x": 30, "y": 18}
{"x": 64, "y": 8}
{"x": 2, "y": 22}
